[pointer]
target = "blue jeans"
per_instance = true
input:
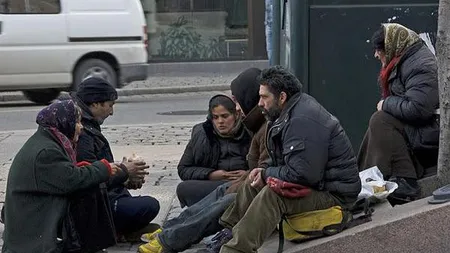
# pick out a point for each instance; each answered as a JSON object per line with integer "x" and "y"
{"x": 197, "y": 221}
{"x": 133, "y": 213}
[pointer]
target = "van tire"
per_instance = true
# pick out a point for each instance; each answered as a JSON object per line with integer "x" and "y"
{"x": 42, "y": 97}
{"x": 96, "y": 67}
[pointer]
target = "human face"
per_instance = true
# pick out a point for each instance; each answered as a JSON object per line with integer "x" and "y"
{"x": 78, "y": 128}
{"x": 101, "y": 111}
{"x": 380, "y": 55}
{"x": 223, "y": 119}
{"x": 238, "y": 106}
{"x": 271, "y": 105}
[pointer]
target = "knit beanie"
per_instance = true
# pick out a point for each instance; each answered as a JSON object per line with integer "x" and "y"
{"x": 96, "y": 90}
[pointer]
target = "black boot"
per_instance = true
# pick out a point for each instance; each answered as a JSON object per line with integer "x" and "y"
{"x": 408, "y": 190}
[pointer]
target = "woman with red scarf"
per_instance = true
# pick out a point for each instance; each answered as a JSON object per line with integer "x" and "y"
{"x": 403, "y": 134}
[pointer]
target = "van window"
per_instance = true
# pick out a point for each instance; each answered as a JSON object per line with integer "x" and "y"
{"x": 30, "y": 6}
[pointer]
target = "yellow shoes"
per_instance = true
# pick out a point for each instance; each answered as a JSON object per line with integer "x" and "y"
{"x": 150, "y": 236}
{"x": 152, "y": 247}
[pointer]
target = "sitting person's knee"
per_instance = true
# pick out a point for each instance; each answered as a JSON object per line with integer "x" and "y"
{"x": 378, "y": 118}
{"x": 182, "y": 189}
{"x": 266, "y": 193}
{"x": 152, "y": 207}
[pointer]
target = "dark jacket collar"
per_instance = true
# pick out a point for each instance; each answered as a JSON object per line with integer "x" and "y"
{"x": 88, "y": 120}
{"x": 408, "y": 53}
{"x": 290, "y": 104}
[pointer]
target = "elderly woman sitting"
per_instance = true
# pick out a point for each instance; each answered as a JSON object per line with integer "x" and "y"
{"x": 403, "y": 135}
{"x": 41, "y": 178}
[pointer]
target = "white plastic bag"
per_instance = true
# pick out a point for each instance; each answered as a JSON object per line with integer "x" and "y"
{"x": 374, "y": 186}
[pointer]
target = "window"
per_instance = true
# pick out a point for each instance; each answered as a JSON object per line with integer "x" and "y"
{"x": 30, "y": 6}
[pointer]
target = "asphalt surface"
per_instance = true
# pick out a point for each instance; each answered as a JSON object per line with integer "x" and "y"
{"x": 149, "y": 109}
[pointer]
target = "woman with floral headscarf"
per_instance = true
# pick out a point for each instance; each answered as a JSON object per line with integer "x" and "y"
{"x": 403, "y": 135}
{"x": 41, "y": 177}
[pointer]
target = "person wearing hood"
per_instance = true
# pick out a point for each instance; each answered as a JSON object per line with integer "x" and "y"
{"x": 403, "y": 134}
{"x": 131, "y": 215}
{"x": 216, "y": 152}
{"x": 201, "y": 219}
{"x": 43, "y": 176}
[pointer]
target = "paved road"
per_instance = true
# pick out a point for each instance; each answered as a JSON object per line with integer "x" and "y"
{"x": 129, "y": 110}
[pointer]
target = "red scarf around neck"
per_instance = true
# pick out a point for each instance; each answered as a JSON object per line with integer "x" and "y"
{"x": 384, "y": 76}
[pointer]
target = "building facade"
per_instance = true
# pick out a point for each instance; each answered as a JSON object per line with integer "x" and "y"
{"x": 205, "y": 30}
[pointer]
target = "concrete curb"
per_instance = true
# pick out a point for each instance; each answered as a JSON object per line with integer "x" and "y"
{"x": 18, "y": 96}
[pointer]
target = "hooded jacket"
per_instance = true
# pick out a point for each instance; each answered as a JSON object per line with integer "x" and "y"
{"x": 245, "y": 89}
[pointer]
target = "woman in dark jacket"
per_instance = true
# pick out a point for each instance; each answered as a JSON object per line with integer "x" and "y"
{"x": 216, "y": 152}
{"x": 41, "y": 178}
{"x": 403, "y": 135}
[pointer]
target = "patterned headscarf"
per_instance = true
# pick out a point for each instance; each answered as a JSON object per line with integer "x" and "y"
{"x": 397, "y": 38}
{"x": 60, "y": 119}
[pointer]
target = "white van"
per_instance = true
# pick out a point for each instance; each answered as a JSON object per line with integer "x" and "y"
{"x": 48, "y": 46}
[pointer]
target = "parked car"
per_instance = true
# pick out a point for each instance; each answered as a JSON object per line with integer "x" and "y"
{"x": 49, "y": 46}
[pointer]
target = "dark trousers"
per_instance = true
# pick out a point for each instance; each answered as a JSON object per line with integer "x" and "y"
{"x": 192, "y": 191}
{"x": 385, "y": 146}
{"x": 197, "y": 221}
{"x": 134, "y": 213}
{"x": 255, "y": 214}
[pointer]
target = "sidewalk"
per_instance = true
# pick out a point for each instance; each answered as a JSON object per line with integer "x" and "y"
{"x": 161, "y": 145}
{"x": 415, "y": 227}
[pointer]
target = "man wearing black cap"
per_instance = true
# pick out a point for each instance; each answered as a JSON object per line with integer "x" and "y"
{"x": 96, "y": 97}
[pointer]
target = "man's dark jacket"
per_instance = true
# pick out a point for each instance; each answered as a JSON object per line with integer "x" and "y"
{"x": 93, "y": 146}
{"x": 413, "y": 85}
{"x": 309, "y": 147}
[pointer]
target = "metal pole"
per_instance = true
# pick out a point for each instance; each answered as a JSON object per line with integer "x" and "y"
{"x": 276, "y": 31}
{"x": 299, "y": 32}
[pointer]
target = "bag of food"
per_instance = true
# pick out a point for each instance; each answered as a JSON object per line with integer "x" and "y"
{"x": 374, "y": 186}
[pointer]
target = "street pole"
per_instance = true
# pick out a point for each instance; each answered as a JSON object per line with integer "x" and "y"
{"x": 276, "y": 31}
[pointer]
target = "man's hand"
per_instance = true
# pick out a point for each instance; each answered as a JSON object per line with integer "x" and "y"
{"x": 134, "y": 185}
{"x": 234, "y": 175}
{"x": 380, "y": 105}
{"x": 136, "y": 170}
{"x": 218, "y": 175}
{"x": 256, "y": 179}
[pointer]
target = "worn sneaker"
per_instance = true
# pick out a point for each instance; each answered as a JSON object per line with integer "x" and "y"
{"x": 152, "y": 247}
{"x": 408, "y": 190}
{"x": 135, "y": 237}
{"x": 219, "y": 240}
{"x": 148, "y": 237}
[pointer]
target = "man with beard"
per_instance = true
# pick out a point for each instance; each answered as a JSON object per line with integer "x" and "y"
{"x": 307, "y": 147}
{"x": 131, "y": 215}
{"x": 202, "y": 218}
